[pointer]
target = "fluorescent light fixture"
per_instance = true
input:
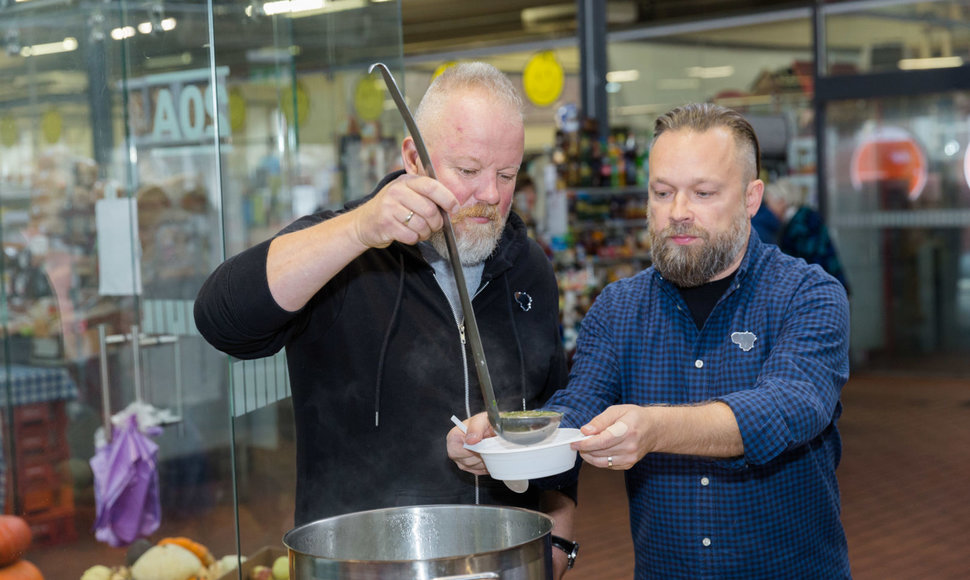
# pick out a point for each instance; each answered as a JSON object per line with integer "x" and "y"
{"x": 925, "y": 63}
{"x": 123, "y": 32}
{"x": 69, "y": 44}
{"x": 710, "y": 72}
{"x": 291, "y": 6}
{"x": 166, "y": 25}
{"x": 622, "y": 76}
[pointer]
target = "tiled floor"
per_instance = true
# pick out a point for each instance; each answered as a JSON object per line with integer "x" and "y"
{"x": 904, "y": 480}
{"x": 904, "y": 474}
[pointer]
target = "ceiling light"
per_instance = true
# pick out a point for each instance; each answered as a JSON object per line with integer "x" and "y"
{"x": 622, "y": 76}
{"x": 123, "y": 32}
{"x": 69, "y": 44}
{"x": 925, "y": 63}
{"x": 710, "y": 72}
{"x": 291, "y": 6}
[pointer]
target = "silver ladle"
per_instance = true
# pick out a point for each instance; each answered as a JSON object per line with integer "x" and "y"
{"x": 522, "y": 427}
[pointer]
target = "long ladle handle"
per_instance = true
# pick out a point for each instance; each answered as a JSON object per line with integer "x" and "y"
{"x": 471, "y": 325}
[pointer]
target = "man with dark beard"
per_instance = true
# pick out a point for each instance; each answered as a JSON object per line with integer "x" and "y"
{"x": 713, "y": 377}
{"x": 365, "y": 302}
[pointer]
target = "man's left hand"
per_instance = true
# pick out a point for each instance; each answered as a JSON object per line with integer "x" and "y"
{"x": 619, "y": 437}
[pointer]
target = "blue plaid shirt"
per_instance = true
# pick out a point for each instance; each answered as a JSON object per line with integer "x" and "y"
{"x": 775, "y": 349}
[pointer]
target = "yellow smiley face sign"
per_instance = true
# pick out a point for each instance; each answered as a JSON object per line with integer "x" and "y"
{"x": 8, "y": 130}
{"x": 295, "y": 103}
{"x": 51, "y": 126}
{"x": 369, "y": 98}
{"x": 543, "y": 79}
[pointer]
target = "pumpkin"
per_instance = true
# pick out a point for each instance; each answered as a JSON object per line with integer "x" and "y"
{"x": 14, "y": 538}
{"x": 21, "y": 570}
{"x": 200, "y": 551}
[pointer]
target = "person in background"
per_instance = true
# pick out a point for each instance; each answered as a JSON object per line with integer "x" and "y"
{"x": 803, "y": 232}
{"x": 714, "y": 376}
{"x": 365, "y": 302}
{"x": 766, "y": 224}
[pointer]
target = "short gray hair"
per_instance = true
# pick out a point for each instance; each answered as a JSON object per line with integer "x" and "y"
{"x": 787, "y": 191}
{"x": 467, "y": 76}
{"x": 701, "y": 117}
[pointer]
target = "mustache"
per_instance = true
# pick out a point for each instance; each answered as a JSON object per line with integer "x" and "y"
{"x": 684, "y": 230}
{"x": 481, "y": 210}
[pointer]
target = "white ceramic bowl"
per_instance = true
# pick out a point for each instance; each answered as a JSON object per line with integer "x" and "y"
{"x": 508, "y": 461}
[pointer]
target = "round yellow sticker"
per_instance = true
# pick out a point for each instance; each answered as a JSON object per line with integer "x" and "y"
{"x": 543, "y": 79}
{"x": 369, "y": 98}
{"x": 302, "y": 102}
{"x": 8, "y": 130}
{"x": 51, "y": 126}
{"x": 237, "y": 110}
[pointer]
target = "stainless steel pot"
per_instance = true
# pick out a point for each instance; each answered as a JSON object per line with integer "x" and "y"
{"x": 438, "y": 542}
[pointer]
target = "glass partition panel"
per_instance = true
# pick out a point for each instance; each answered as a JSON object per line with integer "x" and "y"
{"x": 140, "y": 144}
{"x": 899, "y": 185}
{"x": 891, "y": 35}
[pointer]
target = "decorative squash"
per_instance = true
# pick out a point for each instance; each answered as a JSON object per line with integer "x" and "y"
{"x": 21, "y": 570}
{"x": 200, "y": 551}
{"x": 14, "y": 538}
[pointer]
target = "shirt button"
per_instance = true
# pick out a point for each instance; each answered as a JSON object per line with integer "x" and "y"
{"x": 698, "y": 363}
{"x": 705, "y": 481}
{"x": 706, "y": 542}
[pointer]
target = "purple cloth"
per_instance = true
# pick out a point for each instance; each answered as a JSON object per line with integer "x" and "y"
{"x": 126, "y": 485}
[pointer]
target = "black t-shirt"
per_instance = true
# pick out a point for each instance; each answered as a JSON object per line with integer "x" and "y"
{"x": 701, "y": 299}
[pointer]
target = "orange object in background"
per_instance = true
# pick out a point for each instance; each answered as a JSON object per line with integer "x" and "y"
{"x": 890, "y": 154}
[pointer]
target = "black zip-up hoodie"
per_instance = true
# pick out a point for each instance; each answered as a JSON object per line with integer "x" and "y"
{"x": 377, "y": 367}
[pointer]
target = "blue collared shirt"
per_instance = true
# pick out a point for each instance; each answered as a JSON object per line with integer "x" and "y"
{"x": 775, "y": 349}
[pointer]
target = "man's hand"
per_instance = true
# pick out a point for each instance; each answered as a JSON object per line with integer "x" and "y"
{"x": 405, "y": 210}
{"x": 622, "y": 434}
{"x": 478, "y": 429}
{"x": 619, "y": 437}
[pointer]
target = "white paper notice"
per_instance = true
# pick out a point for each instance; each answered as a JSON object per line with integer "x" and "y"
{"x": 119, "y": 258}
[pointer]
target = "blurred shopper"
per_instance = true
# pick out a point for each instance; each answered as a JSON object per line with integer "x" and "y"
{"x": 714, "y": 376}
{"x": 365, "y": 302}
{"x": 766, "y": 223}
{"x": 803, "y": 232}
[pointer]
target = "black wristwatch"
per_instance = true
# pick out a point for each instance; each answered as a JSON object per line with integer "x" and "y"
{"x": 571, "y": 549}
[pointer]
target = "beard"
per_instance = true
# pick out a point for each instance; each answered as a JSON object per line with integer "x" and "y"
{"x": 694, "y": 265}
{"x": 475, "y": 242}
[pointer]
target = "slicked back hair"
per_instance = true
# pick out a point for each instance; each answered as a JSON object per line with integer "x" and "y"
{"x": 700, "y": 117}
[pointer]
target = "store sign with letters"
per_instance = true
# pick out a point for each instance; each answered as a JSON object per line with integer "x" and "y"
{"x": 178, "y": 109}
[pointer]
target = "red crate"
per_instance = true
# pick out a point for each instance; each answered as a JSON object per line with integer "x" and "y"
{"x": 53, "y": 527}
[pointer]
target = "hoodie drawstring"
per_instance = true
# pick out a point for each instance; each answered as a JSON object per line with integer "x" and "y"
{"x": 387, "y": 340}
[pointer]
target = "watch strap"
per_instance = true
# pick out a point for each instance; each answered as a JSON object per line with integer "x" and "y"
{"x": 569, "y": 547}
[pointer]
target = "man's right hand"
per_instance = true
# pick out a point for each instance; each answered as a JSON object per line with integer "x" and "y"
{"x": 405, "y": 210}
{"x": 478, "y": 429}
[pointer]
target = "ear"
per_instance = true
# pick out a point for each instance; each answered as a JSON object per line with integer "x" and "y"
{"x": 409, "y": 155}
{"x": 753, "y": 195}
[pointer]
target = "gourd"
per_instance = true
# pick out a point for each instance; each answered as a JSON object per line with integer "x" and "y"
{"x": 14, "y": 538}
{"x": 21, "y": 570}
{"x": 200, "y": 551}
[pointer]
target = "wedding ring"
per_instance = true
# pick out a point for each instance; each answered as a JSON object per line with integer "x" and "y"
{"x": 609, "y": 461}
{"x": 408, "y": 219}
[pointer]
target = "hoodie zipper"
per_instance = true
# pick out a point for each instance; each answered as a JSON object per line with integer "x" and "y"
{"x": 460, "y": 323}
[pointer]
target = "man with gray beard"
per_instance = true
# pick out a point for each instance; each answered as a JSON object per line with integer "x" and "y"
{"x": 713, "y": 377}
{"x": 365, "y": 302}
